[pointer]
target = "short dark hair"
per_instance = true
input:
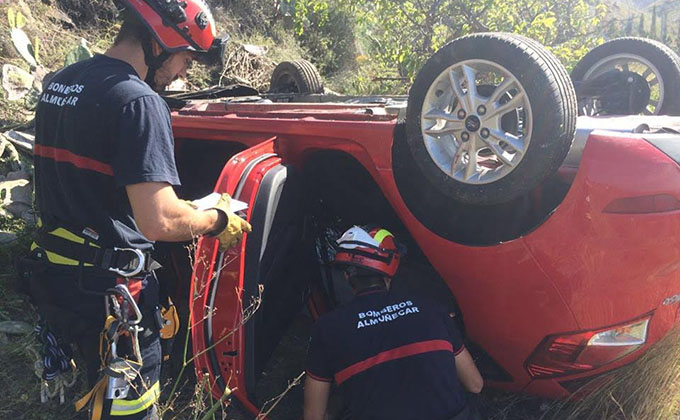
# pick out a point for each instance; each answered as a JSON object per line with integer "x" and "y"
{"x": 131, "y": 29}
{"x": 361, "y": 278}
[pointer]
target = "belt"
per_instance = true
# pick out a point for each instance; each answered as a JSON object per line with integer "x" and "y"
{"x": 126, "y": 262}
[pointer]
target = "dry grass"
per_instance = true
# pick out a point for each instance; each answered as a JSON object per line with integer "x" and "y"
{"x": 648, "y": 389}
{"x": 242, "y": 67}
{"x": 54, "y": 37}
{"x": 89, "y": 13}
{"x": 20, "y": 396}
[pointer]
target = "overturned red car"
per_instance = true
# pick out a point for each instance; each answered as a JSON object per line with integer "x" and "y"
{"x": 556, "y": 242}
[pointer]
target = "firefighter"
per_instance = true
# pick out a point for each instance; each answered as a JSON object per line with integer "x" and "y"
{"x": 104, "y": 177}
{"x": 393, "y": 356}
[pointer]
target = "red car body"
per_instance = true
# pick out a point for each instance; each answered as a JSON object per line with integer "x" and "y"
{"x": 608, "y": 254}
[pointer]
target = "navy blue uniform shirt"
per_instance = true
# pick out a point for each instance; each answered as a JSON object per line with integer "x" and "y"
{"x": 392, "y": 355}
{"x": 99, "y": 127}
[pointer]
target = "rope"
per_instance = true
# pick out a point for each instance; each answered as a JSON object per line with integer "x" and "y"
{"x": 54, "y": 361}
{"x": 56, "y": 356}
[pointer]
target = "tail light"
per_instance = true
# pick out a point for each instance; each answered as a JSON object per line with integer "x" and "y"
{"x": 564, "y": 354}
{"x": 660, "y": 203}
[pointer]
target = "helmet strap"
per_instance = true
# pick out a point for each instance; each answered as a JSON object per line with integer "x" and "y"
{"x": 153, "y": 63}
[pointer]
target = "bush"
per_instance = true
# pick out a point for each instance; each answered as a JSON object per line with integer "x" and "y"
{"x": 88, "y": 13}
{"x": 329, "y": 36}
{"x": 253, "y": 16}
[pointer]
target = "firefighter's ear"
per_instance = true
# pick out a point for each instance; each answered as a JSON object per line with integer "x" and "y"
{"x": 156, "y": 48}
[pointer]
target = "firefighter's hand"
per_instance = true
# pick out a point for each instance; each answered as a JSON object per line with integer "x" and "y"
{"x": 190, "y": 204}
{"x": 234, "y": 227}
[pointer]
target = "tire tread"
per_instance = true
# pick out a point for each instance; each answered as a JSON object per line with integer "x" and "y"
{"x": 556, "y": 85}
{"x": 662, "y": 56}
{"x": 304, "y": 73}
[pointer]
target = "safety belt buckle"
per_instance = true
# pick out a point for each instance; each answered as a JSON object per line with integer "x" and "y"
{"x": 134, "y": 271}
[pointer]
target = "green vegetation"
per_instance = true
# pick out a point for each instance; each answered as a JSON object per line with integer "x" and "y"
{"x": 656, "y": 19}
{"x": 17, "y": 353}
{"x": 360, "y": 47}
{"x": 394, "y": 38}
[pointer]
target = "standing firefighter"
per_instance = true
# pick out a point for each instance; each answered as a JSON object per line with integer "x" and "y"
{"x": 104, "y": 173}
{"x": 393, "y": 356}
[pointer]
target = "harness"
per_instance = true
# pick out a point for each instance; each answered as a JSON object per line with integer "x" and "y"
{"x": 118, "y": 372}
{"x": 62, "y": 246}
{"x": 66, "y": 248}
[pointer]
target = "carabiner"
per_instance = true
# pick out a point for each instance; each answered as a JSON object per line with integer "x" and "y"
{"x": 124, "y": 292}
{"x": 141, "y": 260}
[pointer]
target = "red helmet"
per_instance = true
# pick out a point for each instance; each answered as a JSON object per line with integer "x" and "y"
{"x": 374, "y": 249}
{"x": 179, "y": 25}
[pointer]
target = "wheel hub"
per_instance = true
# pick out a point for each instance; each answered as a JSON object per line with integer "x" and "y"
{"x": 646, "y": 79}
{"x": 463, "y": 122}
{"x": 472, "y": 123}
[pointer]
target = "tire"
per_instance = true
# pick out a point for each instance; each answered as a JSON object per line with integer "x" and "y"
{"x": 547, "y": 112}
{"x": 299, "y": 76}
{"x": 640, "y": 55}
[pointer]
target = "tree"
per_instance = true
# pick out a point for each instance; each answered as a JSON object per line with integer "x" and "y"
{"x": 407, "y": 32}
{"x": 629, "y": 27}
{"x": 664, "y": 28}
{"x": 397, "y": 36}
{"x": 327, "y": 30}
{"x": 652, "y": 27}
{"x": 641, "y": 28}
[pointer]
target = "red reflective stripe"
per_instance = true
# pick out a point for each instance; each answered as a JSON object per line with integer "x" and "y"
{"x": 397, "y": 353}
{"x": 63, "y": 155}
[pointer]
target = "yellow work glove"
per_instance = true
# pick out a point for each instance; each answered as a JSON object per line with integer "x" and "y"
{"x": 232, "y": 233}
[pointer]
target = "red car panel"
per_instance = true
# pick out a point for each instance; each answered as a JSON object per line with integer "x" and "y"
{"x": 582, "y": 269}
{"x": 217, "y": 336}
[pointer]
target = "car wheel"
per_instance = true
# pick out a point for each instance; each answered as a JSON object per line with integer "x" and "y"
{"x": 479, "y": 146}
{"x": 628, "y": 76}
{"x": 299, "y": 76}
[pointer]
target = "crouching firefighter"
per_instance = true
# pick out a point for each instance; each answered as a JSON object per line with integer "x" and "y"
{"x": 392, "y": 355}
{"x": 104, "y": 176}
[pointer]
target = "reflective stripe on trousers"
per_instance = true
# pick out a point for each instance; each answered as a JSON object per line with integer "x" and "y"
{"x": 130, "y": 407}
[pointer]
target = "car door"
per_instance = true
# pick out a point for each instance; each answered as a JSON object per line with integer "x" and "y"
{"x": 243, "y": 299}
